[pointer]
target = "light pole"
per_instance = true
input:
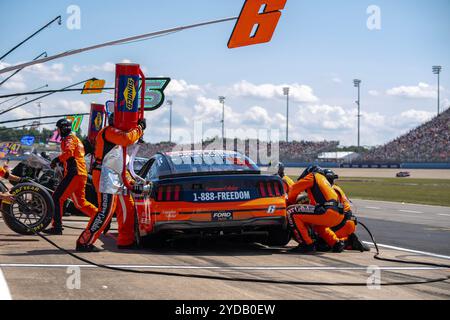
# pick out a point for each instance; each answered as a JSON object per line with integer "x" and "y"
{"x": 170, "y": 102}
{"x": 357, "y": 84}
{"x": 222, "y": 101}
{"x": 286, "y": 93}
{"x": 437, "y": 70}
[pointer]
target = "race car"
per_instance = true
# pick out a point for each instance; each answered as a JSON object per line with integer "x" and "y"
{"x": 403, "y": 174}
{"x": 204, "y": 193}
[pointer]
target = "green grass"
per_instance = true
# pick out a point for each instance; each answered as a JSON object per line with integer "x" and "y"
{"x": 420, "y": 191}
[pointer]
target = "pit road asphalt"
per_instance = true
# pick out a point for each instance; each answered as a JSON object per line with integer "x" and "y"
{"x": 32, "y": 269}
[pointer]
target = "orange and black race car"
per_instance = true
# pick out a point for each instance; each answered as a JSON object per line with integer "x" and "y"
{"x": 211, "y": 193}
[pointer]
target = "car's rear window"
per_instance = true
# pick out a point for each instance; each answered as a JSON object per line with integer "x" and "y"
{"x": 212, "y": 161}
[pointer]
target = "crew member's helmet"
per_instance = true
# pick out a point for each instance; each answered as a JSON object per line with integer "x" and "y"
{"x": 281, "y": 169}
{"x": 330, "y": 175}
{"x": 310, "y": 169}
{"x": 64, "y": 126}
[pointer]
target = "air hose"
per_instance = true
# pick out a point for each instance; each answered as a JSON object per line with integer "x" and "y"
{"x": 265, "y": 281}
{"x": 377, "y": 255}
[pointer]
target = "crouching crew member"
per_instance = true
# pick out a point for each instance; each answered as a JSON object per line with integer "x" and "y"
{"x": 75, "y": 176}
{"x": 107, "y": 140}
{"x": 328, "y": 211}
{"x": 345, "y": 231}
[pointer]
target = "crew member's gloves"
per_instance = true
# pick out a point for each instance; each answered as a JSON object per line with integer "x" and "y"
{"x": 142, "y": 123}
{"x": 54, "y": 163}
{"x": 138, "y": 188}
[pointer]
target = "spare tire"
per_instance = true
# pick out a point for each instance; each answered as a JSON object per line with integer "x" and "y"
{"x": 32, "y": 211}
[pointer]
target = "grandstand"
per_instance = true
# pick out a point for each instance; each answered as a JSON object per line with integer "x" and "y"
{"x": 292, "y": 152}
{"x": 429, "y": 143}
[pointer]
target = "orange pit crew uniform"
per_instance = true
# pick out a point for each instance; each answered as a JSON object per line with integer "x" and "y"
{"x": 328, "y": 211}
{"x": 106, "y": 140}
{"x": 74, "y": 182}
{"x": 4, "y": 173}
{"x": 346, "y": 227}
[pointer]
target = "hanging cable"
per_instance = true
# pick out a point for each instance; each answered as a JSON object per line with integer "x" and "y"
{"x": 58, "y": 18}
{"x": 17, "y": 97}
{"x": 45, "y": 117}
{"x": 51, "y": 91}
{"x": 43, "y": 96}
{"x": 115, "y": 42}
{"x": 17, "y": 71}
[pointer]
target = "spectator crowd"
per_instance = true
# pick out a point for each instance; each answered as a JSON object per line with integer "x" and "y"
{"x": 295, "y": 151}
{"x": 428, "y": 143}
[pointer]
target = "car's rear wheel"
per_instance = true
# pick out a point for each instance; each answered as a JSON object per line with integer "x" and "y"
{"x": 278, "y": 237}
{"x": 153, "y": 241}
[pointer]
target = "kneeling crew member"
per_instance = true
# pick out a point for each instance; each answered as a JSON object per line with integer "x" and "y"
{"x": 328, "y": 210}
{"x": 108, "y": 138}
{"x": 345, "y": 231}
{"x": 75, "y": 176}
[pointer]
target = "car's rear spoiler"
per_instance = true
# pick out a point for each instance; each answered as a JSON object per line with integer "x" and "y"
{"x": 209, "y": 173}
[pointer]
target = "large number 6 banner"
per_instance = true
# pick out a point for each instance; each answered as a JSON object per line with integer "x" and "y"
{"x": 154, "y": 93}
{"x": 257, "y": 22}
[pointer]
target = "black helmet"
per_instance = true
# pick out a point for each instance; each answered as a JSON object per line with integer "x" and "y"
{"x": 310, "y": 169}
{"x": 281, "y": 169}
{"x": 111, "y": 119}
{"x": 330, "y": 175}
{"x": 64, "y": 126}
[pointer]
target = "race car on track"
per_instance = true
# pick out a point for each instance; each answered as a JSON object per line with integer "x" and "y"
{"x": 403, "y": 174}
{"x": 202, "y": 193}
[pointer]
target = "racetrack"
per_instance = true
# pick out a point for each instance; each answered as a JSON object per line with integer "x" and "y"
{"x": 33, "y": 269}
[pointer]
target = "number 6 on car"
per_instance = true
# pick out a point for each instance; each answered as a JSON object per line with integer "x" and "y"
{"x": 256, "y": 23}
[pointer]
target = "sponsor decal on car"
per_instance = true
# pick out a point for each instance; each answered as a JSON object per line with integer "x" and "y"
{"x": 222, "y": 216}
{"x": 169, "y": 214}
{"x": 221, "y": 196}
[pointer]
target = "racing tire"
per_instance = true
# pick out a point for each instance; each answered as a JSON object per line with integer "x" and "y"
{"x": 35, "y": 212}
{"x": 278, "y": 237}
{"x": 153, "y": 241}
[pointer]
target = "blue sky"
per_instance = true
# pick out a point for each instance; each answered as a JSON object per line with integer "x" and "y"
{"x": 318, "y": 48}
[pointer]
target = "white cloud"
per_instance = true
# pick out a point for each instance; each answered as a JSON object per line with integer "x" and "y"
{"x": 324, "y": 117}
{"x": 20, "y": 113}
{"x": 422, "y": 90}
{"x": 209, "y": 111}
{"x": 412, "y": 117}
{"x": 257, "y": 116}
{"x": 76, "y": 106}
{"x": 49, "y": 72}
{"x": 180, "y": 88}
{"x": 374, "y": 93}
{"x": 106, "y": 67}
{"x": 298, "y": 92}
{"x": 16, "y": 83}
